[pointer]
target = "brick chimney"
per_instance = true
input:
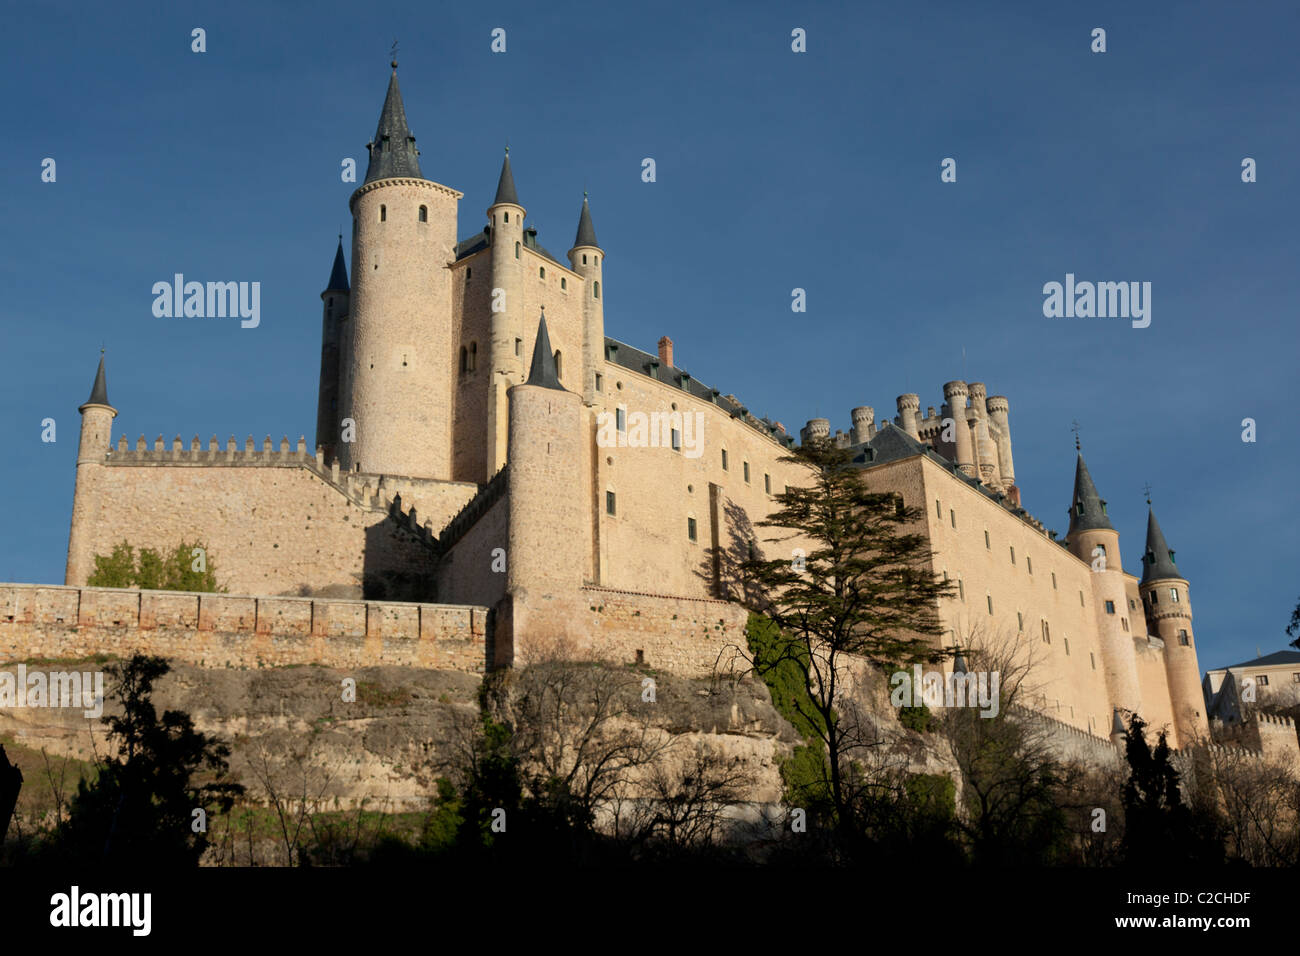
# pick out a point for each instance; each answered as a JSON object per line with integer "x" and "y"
{"x": 666, "y": 352}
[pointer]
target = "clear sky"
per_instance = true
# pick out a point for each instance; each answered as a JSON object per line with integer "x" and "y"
{"x": 775, "y": 170}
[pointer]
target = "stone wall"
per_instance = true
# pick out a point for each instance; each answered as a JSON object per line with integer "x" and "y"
{"x": 227, "y": 630}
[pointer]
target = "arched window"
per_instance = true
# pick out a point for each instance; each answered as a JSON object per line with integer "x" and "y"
{"x": 469, "y": 271}
{"x": 507, "y": 217}
{"x": 559, "y": 364}
{"x": 541, "y": 272}
{"x": 424, "y": 214}
{"x": 584, "y": 258}
{"x": 597, "y": 289}
{"x": 383, "y": 213}
{"x": 564, "y": 283}
{"x": 516, "y": 250}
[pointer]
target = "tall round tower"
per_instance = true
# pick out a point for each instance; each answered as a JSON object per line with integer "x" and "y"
{"x": 334, "y": 302}
{"x": 586, "y": 258}
{"x": 506, "y": 366}
{"x": 1169, "y": 608}
{"x": 400, "y": 361}
{"x": 1094, "y": 540}
{"x": 955, "y": 394}
{"x": 94, "y": 444}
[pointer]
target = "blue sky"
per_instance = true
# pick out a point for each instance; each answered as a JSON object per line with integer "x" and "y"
{"x": 775, "y": 170}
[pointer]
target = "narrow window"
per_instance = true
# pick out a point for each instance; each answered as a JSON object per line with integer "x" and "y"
{"x": 1153, "y": 598}
{"x": 473, "y": 356}
{"x": 952, "y": 516}
{"x": 584, "y": 258}
{"x": 724, "y": 459}
{"x": 1013, "y": 554}
{"x": 753, "y": 550}
{"x": 598, "y": 381}
{"x": 609, "y": 503}
{"x": 559, "y": 364}
{"x": 990, "y": 600}
{"x": 541, "y": 272}
{"x": 677, "y": 440}
{"x": 746, "y": 467}
{"x": 424, "y": 214}
{"x": 1020, "y": 622}
{"x": 620, "y": 419}
{"x": 1173, "y": 595}
{"x": 469, "y": 271}
{"x": 1053, "y": 580}
{"x": 1029, "y": 564}
{"x": 596, "y": 289}
{"x": 516, "y": 250}
{"x": 1110, "y": 607}
{"x": 961, "y": 590}
{"x": 1047, "y": 633}
{"x": 1131, "y": 605}
{"x": 690, "y": 528}
{"x": 519, "y": 346}
{"x": 1066, "y": 642}
{"x": 938, "y": 509}
{"x": 1123, "y": 622}
{"x": 1093, "y": 658}
{"x": 383, "y": 213}
{"x": 767, "y": 483}
{"x": 986, "y": 541}
{"x": 1080, "y": 599}
{"x": 564, "y": 283}
{"x": 464, "y": 360}
{"x": 507, "y": 215}
{"x": 1183, "y": 639}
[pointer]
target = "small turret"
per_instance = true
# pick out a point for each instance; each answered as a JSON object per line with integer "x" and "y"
{"x": 392, "y": 152}
{"x": 585, "y": 258}
{"x": 908, "y": 406}
{"x": 955, "y": 393}
{"x": 94, "y": 445}
{"x": 505, "y": 366}
{"x": 334, "y": 312}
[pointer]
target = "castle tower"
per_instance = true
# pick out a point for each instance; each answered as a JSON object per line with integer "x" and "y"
{"x": 93, "y": 446}
{"x": 585, "y": 259}
{"x": 547, "y": 505}
{"x": 954, "y": 394}
{"x": 1169, "y": 608}
{"x": 335, "y": 310}
{"x": 986, "y": 453}
{"x": 998, "y": 409}
{"x": 817, "y": 428}
{"x": 1094, "y": 540}
{"x": 401, "y": 354}
{"x": 506, "y": 217}
{"x": 864, "y": 424}
{"x": 908, "y": 406}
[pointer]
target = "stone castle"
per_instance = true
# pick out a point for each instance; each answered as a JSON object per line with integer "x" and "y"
{"x": 463, "y": 498}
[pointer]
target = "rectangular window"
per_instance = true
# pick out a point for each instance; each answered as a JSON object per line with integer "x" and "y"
{"x": 1029, "y": 564}
{"x": 1053, "y": 580}
{"x": 724, "y": 459}
{"x": 677, "y": 440}
{"x": 1110, "y": 607}
{"x": 1131, "y": 605}
{"x": 1295, "y": 678}
{"x": 1262, "y": 680}
{"x": 990, "y": 600}
{"x": 961, "y": 590}
{"x": 1093, "y": 657}
{"x": 938, "y": 509}
{"x": 620, "y": 419}
{"x": 952, "y": 515}
{"x": 1173, "y": 595}
{"x": 1013, "y": 554}
{"x": 598, "y": 381}
{"x": 690, "y": 528}
{"x": 1080, "y": 599}
{"x": 746, "y": 464}
{"x": 1066, "y": 642}
{"x": 1153, "y": 598}
{"x": 519, "y": 346}
{"x": 1020, "y": 622}
{"x": 1123, "y": 622}
{"x": 1047, "y": 633}
{"x": 767, "y": 483}
{"x": 609, "y": 503}
{"x": 1183, "y": 639}
{"x": 986, "y": 541}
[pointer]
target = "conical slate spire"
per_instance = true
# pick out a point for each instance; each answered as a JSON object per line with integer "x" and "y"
{"x": 393, "y": 153}
{"x": 99, "y": 391}
{"x": 1088, "y": 510}
{"x": 339, "y": 274}
{"x": 1158, "y": 562}
{"x": 543, "y": 372}
{"x": 506, "y": 184}
{"x": 586, "y": 231}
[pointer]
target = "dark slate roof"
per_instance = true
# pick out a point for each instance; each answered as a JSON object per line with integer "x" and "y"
{"x": 1278, "y": 657}
{"x": 543, "y": 372}
{"x": 1158, "y": 561}
{"x": 1088, "y": 509}
{"x": 99, "y": 391}
{"x": 586, "y": 231}
{"x": 339, "y": 274}
{"x": 530, "y": 242}
{"x": 393, "y": 152}
{"x": 475, "y": 243}
{"x": 647, "y": 364}
{"x": 506, "y": 184}
{"x": 891, "y": 443}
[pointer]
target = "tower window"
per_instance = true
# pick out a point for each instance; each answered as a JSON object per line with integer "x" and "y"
{"x": 516, "y": 250}
{"x": 559, "y": 364}
{"x": 383, "y": 213}
{"x": 1173, "y": 595}
{"x": 469, "y": 271}
{"x": 767, "y": 483}
{"x": 599, "y": 379}
{"x": 596, "y": 289}
{"x": 424, "y": 214}
{"x": 464, "y": 360}
{"x": 584, "y": 258}
{"x": 620, "y": 419}
{"x": 1123, "y": 622}
{"x": 541, "y": 272}
{"x": 746, "y": 467}
{"x": 986, "y": 541}
{"x": 938, "y": 509}
{"x": 1131, "y": 605}
{"x": 1066, "y": 642}
{"x": 564, "y": 283}
{"x": 952, "y": 516}
{"x": 961, "y": 590}
{"x": 690, "y": 529}
{"x": 677, "y": 440}
{"x": 519, "y": 346}
{"x": 1093, "y": 658}
{"x": 1053, "y": 580}
{"x": 507, "y": 215}
{"x": 1183, "y": 639}
{"x": 1110, "y": 607}
{"x": 724, "y": 459}
{"x": 1080, "y": 599}
{"x": 1029, "y": 564}
{"x": 1013, "y": 555}
{"x": 989, "y": 598}
{"x": 1020, "y": 622}
{"x": 1047, "y": 633}
{"x": 610, "y": 503}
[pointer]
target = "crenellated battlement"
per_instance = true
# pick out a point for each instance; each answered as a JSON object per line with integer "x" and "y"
{"x": 474, "y": 509}
{"x": 213, "y": 454}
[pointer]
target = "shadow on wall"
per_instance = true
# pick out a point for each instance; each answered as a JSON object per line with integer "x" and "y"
{"x": 721, "y": 567}
{"x": 397, "y": 566}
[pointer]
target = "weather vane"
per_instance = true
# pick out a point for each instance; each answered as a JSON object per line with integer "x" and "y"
{"x": 1074, "y": 427}
{"x": 393, "y": 53}
{"x": 1147, "y": 488}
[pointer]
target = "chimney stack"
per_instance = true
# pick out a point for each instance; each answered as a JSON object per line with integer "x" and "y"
{"x": 666, "y": 352}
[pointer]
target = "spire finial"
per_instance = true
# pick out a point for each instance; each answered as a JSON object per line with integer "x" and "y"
{"x": 1147, "y": 488}
{"x": 1074, "y": 427}
{"x": 393, "y": 53}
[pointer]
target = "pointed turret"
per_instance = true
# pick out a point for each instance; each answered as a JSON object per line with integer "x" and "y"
{"x": 99, "y": 391}
{"x": 392, "y": 152}
{"x": 543, "y": 372}
{"x": 339, "y": 274}
{"x": 1158, "y": 561}
{"x": 586, "y": 231}
{"x": 506, "y": 184}
{"x": 1088, "y": 511}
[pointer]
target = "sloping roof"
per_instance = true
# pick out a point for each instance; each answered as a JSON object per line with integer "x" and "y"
{"x": 393, "y": 152}
{"x": 506, "y": 184}
{"x": 476, "y": 242}
{"x": 99, "y": 391}
{"x": 1268, "y": 660}
{"x": 586, "y": 231}
{"x": 1087, "y": 508}
{"x": 1158, "y": 561}
{"x": 339, "y": 274}
{"x": 543, "y": 372}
